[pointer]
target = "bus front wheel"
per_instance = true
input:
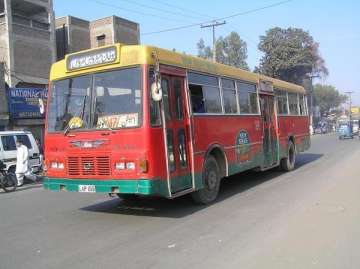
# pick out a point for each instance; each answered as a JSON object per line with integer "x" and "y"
{"x": 211, "y": 183}
{"x": 288, "y": 163}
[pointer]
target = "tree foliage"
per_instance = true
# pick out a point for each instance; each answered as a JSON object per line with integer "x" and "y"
{"x": 327, "y": 97}
{"x": 290, "y": 54}
{"x": 231, "y": 50}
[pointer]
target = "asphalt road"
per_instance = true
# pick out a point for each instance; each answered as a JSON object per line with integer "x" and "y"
{"x": 308, "y": 218}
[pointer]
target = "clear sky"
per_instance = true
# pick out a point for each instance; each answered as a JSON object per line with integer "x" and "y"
{"x": 334, "y": 24}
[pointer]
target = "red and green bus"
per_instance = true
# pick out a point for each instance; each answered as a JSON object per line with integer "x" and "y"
{"x": 144, "y": 121}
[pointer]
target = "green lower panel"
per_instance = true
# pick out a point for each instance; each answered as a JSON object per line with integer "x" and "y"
{"x": 143, "y": 186}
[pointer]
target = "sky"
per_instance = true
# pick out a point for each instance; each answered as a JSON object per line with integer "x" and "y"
{"x": 334, "y": 24}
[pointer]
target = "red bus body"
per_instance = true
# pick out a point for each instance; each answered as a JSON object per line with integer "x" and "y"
{"x": 87, "y": 160}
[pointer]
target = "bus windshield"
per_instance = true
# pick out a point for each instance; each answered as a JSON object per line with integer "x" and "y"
{"x": 109, "y": 100}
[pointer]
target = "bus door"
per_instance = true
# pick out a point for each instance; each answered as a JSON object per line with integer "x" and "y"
{"x": 177, "y": 133}
{"x": 270, "y": 137}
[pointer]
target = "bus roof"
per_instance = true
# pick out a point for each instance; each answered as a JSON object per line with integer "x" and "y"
{"x": 119, "y": 55}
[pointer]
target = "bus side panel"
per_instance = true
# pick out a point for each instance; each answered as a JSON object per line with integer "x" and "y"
{"x": 239, "y": 136}
{"x": 296, "y": 127}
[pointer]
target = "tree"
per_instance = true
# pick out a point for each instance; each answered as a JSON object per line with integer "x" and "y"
{"x": 291, "y": 55}
{"x": 231, "y": 50}
{"x": 328, "y": 97}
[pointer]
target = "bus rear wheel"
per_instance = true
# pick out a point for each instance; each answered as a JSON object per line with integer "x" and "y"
{"x": 211, "y": 183}
{"x": 288, "y": 164}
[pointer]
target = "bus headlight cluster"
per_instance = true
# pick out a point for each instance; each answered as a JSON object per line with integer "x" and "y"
{"x": 125, "y": 166}
{"x": 57, "y": 165}
{"x": 142, "y": 166}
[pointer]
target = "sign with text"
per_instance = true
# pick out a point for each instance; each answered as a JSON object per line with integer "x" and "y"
{"x": 27, "y": 103}
{"x": 91, "y": 58}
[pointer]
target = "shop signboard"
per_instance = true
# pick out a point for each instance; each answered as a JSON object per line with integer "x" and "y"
{"x": 27, "y": 103}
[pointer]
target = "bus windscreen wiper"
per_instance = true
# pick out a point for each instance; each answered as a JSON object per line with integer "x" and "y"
{"x": 81, "y": 116}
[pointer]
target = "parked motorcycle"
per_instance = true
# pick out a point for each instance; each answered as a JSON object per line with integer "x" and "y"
{"x": 8, "y": 181}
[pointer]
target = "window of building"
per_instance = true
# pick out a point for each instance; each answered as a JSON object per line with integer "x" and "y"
{"x": 293, "y": 103}
{"x": 282, "y": 102}
{"x": 229, "y": 96}
{"x": 205, "y": 93}
{"x": 248, "y": 98}
{"x": 100, "y": 40}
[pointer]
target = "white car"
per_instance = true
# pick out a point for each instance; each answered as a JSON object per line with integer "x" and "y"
{"x": 8, "y": 149}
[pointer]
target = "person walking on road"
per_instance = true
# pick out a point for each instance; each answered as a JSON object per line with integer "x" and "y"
{"x": 22, "y": 163}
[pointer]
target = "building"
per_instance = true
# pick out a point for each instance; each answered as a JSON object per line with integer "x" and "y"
{"x": 75, "y": 34}
{"x": 27, "y": 50}
{"x": 27, "y": 41}
{"x": 112, "y": 30}
{"x": 72, "y": 34}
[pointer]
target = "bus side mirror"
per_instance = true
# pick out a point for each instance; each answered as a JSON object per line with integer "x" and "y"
{"x": 156, "y": 91}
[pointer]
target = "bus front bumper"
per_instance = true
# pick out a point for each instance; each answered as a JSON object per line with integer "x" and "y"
{"x": 152, "y": 187}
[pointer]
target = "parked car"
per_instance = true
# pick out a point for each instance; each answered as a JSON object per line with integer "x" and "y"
{"x": 8, "y": 149}
{"x": 344, "y": 131}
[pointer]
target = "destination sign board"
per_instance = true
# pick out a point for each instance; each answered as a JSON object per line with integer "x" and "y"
{"x": 91, "y": 58}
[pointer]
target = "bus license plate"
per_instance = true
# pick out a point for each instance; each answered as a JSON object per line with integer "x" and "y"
{"x": 87, "y": 188}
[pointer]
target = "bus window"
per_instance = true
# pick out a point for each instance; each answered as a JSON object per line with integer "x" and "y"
{"x": 282, "y": 102}
{"x": 166, "y": 98}
{"x": 178, "y": 99}
{"x": 206, "y": 87}
{"x": 229, "y": 96}
{"x": 170, "y": 148}
{"x": 212, "y": 99}
{"x": 197, "y": 99}
{"x": 70, "y": 99}
{"x": 155, "y": 115}
{"x": 248, "y": 98}
{"x": 182, "y": 148}
{"x": 293, "y": 103}
{"x": 302, "y": 105}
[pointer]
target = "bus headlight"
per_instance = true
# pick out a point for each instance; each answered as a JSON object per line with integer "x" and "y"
{"x": 130, "y": 166}
{"x": 120, "y": 166}
{"x": 57, "y": 165}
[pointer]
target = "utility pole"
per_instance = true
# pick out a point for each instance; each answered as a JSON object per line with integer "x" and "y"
{"x": 213, "y": 25}
{"x": 311, "y": 77}
{"x": 350, "y": 104}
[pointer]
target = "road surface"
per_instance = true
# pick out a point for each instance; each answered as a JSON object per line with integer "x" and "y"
{"x": 309, "y": 218}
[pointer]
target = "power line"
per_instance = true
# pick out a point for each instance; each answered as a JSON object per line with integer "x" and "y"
{"x": 220, "y": 19}
{"x": 133, "y": 11}
{"x": 182, "y": 8}
{"x": 213, "y": 25}
{"x": 160, "y": 9}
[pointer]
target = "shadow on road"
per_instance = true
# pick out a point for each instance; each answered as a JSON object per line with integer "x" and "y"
{"x": 184, "y": 206}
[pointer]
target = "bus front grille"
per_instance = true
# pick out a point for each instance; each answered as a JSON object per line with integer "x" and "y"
{"x": 89, "y": 166}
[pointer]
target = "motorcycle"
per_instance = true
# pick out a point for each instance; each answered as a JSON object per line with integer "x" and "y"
{"x": 8, "y": 181}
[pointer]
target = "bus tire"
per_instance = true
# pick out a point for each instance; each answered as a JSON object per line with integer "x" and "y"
{"x": 288, "y": 163}
{"x": 211, "y": 183}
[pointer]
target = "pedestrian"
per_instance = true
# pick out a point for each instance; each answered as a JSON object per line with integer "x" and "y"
{"x": 22, "y": 163}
